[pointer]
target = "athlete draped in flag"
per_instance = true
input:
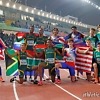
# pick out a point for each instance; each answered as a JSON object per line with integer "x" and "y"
{"x": 2, "y": 46}
{"x": 69, "y": 56}
{"x": 77, "y": 38}
{"x": 55, "y": 38}
{"x": 84, "y": 62}
{"x": 50, "y": 53}
{"x": 22, "y": 57}
{"x": 96, "y": 64}
{"x": 30, "y": 38}
{"x": 40, "y": 41}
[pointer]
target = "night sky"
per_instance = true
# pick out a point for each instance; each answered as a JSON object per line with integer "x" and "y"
{"x": 85, "y": 12}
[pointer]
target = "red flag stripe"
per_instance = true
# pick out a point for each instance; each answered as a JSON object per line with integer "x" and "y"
{"x": 84, "y": 66}
{"x": 85, "y": 55}
{"x": 81, "y": 57}
{"x": 84, "y": 61}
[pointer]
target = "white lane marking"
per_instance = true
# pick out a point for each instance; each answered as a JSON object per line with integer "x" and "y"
{"x": 75, "y": 75}
{"x": 15, "y": 92}
{"x": 65, "y": 90}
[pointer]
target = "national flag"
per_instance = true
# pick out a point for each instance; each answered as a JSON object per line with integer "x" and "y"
{"x": 20, "y": 36}
{"x": 2, "y": 44}
{"x": 11, "y": 63}
{"x": 42, "y": 46}
{"x": 1, "y": 54}
{"x": 17, "y": 45}
{"x": 84, "y": 61}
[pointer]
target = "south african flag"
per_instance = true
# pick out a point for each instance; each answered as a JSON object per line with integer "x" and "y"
{"x": 11, "y": 63}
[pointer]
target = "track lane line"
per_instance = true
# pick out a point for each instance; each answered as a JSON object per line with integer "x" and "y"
{"x": 15, "y": 91}
{"x": 65, "y": 90}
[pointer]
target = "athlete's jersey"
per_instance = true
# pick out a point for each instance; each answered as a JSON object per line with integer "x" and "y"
{"x": 92, "y": 39}
{"x": 50, "y": 55}
{"x": 76, "y": 37}
{"x": 23, "y": 58}
{"x": 41, "y": 40}
{"x": 70, "y": 54}
{"x": 98, "y": 36}
{"x": 30, "y": 38}
{"x": 54, "y": 38}
{"x": 97, "y": 56}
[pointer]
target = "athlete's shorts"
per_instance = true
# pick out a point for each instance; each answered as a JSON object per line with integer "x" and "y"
{"x": 49, "y": 65}
{"x": 98, "y": 66}
{"x": 71, "y": 69}
{"x": 21, "y": 70}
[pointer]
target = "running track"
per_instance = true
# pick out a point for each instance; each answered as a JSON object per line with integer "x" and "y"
{"x": 49, "y": 91}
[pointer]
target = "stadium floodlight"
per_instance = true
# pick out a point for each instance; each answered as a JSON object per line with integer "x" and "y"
{"x": 34, "y": 8}
{"x": 26, "y": 9}
{"x": 41, "y": 10}
{"x": 38, "y": 13}
{"x": 32, "y": 11}
{"x": 0, "y": 2}
{"x": 14, "y": 6}
{"x": 74, "y": 22}
{"x": 57, "y": 18}
{"x": 54, "y": 17}
{"x": 47, "y": 15}
{"x": 69, "y": 21}
{"x": 42, "y": 14}
{"x": 66, "y": 21}
{"x": 61, "y": 19}
{"x": 92, "y": 4}
{"x": 7, "y": 4}
{"x": 51, "y": 16}
{"x": 20, "y": 8}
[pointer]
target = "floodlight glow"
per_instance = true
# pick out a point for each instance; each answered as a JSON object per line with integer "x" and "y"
{"x": 66, "y": 21}
{"x": 26, "y": 9}
{"x": 7, "y": 4}
{"x": 60, "y": 19}
{"x": 38, "y": 13}
{"x": 32, "y": 11}
{"x": 50, "y": 16}
{"x": 47, "y": 15}
{"x": 34, "y": 8}
{"x": 0, "y": 2}
{"x": 69, "y": 21}
{"x": 57, "y": 18}
{"x": 20, "y": 8}
{"x": 42, "y": 14}
{"x": 54, "y": 17}
{"x": 14, "y": 6}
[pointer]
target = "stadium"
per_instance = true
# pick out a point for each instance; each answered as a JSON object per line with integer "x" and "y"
{"x": 49, "y": 50}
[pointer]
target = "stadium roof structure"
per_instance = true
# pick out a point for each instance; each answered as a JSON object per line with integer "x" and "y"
{"x": 38, "y": 12}
{"x": 85, "y": 12}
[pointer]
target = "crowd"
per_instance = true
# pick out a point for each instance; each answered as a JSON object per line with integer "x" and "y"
{"x": 45, "y": 58}
{"x": 8, "y": 39}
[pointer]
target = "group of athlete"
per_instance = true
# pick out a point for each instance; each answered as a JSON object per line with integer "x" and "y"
{"x": 32, "y": 56}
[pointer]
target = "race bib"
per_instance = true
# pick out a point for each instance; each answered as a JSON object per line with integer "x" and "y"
{"x": 50, "y": 60}
{"x": 98, "y": 60}
{"x": 30, "y": 42}
{"x": 23, "y": 62}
